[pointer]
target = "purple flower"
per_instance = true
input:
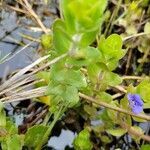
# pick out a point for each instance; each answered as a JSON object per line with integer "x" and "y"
{"x": 136, "y": 103}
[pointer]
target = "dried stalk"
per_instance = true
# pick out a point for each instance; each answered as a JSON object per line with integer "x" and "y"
{"x": 25, "y": 95}
{"x": 132, "y": 78}
{"x": 31, "y": 11}
{"x": 101, "y": 103}
{"x": 42, "y": 92}
{"x": 14, "y": 78}
{"x": 132, "y": 131}
{"x": 135, "y": 35}
{"x": 18, "y": 84}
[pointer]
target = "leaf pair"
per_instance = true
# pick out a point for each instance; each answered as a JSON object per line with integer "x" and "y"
{"x": 80, "y": 28}
{"x": 64, "y": 85}
{"x": 111, "y": 48}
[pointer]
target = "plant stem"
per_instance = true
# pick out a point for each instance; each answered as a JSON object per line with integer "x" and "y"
{"x": 101, "y": 103}
{"x": 135, "y": 35}
{"x": 56, "y": 117}
{"x": 46, "y": 119}
{"x": 19, "y": 76}
{"x": 113, "y": 16}
{"x": 30, "y": 10}
{"x": 132, "y": 78}
{"x": 132, "y": 131}
{"x": 41, "y": 92}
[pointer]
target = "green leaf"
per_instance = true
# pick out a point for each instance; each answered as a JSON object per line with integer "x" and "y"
{"x": 111, "y": 47}
{"x": 124, "y": 103}
{"x": 87, "y": 38}
{"x": 112, "y": 79}
{"x": 139, "y": 131}
{"x": 112, "y": 113}
{"x": 147, "y": 28}
{"x": 2, "y": 115}
{"x": 112, "y": 63}
{"x": 105, "y": 97}
{"x": 85, "y": 56}
{"x": 117, "y": 131}
{"x": 34, "y": 135}
{"x": 11, "y": 127}
{"x": 67, "y": 15}
{"x": 68, "y": 76}
{"x": 55, "y": 89}
{"x": 106, "y": 118}
{"x": 146, "y": 105}
{"x": 139, "y": 119}
{"x": 106, "y": 139}
{"x": 145, "y": 147}
{"x": 63, "y": 94}
{"x": 70, "y": 96}
{"x": 46, "y": 41}
{"x": 61, "y": 39}
{"x": 93, "y": 55}
{"x": 12, "y": 143}
{"x": 96, "y": 72}
{"x": 143, "y": 90}
{"x": 91, "y": 111}
{"x": 131, "y": 89}
{"x": 8, "y": 130}
{"x": 88, "y": 18}
{"x": 43, "y": 75}
{"x": 82, "y": 141}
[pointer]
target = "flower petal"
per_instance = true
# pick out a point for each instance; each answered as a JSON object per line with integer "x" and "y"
{"x": 135, "y": 102}
{"x": 130, "y": 97}
{"x": 138, "y": 99}
{"x": 137, "y": 109}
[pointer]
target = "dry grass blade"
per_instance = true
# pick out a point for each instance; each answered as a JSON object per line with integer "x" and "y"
{"x": 9, "y": 56}
{"x": 28, "y": 7}
{"x": 13, "y": 79}
{"x": 25, "y": 95}
{"x": 21, "y": 80}
{"x": 18, "y": 84}
{"x": 135, "y": 35}
{"x": 42, "y": 91}
{"x": 17, "y": 9}
{"x": 29, "y": 85}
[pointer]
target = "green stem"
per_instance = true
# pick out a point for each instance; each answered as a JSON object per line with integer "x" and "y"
{"x": 112, "y": 19}
{"x": 46, "y": 136}
{"x": 46, "y": 119}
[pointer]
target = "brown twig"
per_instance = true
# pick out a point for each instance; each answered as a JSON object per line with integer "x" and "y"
{"x": 117, "y": 95}
{"x": 101, "y": 103}
{"x": 17, "y": 9}
{"x": 120, "y": 88}
{"x": 132, "y": 131}
{"x": 40, "y": 116}
{"x": 132, "y": 78}
{"x": 135, "y": 35}
{"x": 128, "y": 60}
{"x": 42, "y": 91}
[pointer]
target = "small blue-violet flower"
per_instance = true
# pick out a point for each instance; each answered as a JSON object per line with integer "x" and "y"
{"x": 135, "y": 102}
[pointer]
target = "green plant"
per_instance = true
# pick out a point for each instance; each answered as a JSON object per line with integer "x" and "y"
{"x": 84, "y": 67}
